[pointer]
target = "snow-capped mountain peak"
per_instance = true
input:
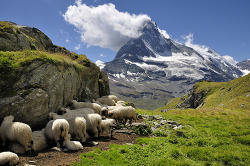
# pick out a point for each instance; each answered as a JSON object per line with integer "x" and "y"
{"x": 153, "y": 61}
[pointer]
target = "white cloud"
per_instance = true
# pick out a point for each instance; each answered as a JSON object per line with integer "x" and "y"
{"x": 164, "y": 33}
{"x": 104, "y": 25}
{"x": 230, "y": 60}
{"x": 202, "y": 49}
{"x": 102, "y": 55}
{"x": 67, "y": 40}
{"x": 77, "y": 47}
{"x": 100, "y": 64}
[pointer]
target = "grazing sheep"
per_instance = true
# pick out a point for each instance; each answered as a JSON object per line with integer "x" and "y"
{"x": 17, "y": 148}
{"x": 104, "y": 111}
{"x": 16, "y": 132}
{"x": 67, "y": 115}
{"x": 108, "y": 125}
{"x": 106, "y": 101}
{"x": 113, "y": 97}
{"x": 77, "y": 125}
{"x": 129, "y": 114}
{"x": 77, "y": 128}
{"x": 123, "y": 114}
{"x": 40, "y": 140}
{"x": 9, "y": 158}
{"x": 57, "y": 131}
{"x": 76, "y": 111}
{"x": 94, "y": 106}
{"x": 93, "y": 124}
{"x": 120, "y": 103}
{"x": 73, "y": 145}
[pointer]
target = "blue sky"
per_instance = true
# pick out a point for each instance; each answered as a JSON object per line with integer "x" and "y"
{"x": 222, "y": 25}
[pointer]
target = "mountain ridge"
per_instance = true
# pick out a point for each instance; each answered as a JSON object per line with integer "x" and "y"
{"x": 153, "y": 62}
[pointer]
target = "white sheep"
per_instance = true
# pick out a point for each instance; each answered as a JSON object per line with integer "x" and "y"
{"x": 93, "y": 124}
{"x": 108, "y": 125}
{"x": 129, "y": 114}
{"x": 115, "y": 98}
{"x": 9, "y": 158}
{"x": 77, "y": 124}
{"x": 106, "y": 101}
{"x": 120, "y": 103}
{"x": 57, "y": 131}
{"x": 16, "y": 132}
{"x": 73, "y": 145}
{"x": 77, "y": 128}
{"x": 123, "y": 114}
{"x": 17, "y": 148}
{"x": 94, "y": 106}
{"x": 76, "y": 111}
{"x": 40, "y": 140}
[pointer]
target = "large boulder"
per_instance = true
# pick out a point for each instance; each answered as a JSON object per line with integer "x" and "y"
{"x": 34, "y": 83}
{"x": 43, "y": 87}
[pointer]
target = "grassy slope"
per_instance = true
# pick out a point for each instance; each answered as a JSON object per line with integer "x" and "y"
{"x": 234, "y": 94}
{"x": 12, "y": 62}
{"x": 211, "y": 135}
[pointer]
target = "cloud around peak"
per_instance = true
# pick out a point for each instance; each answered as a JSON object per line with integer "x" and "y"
{"x": 104, "y": 25}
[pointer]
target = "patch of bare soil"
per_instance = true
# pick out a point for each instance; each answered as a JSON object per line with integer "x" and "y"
{"x": 50, "y": 157}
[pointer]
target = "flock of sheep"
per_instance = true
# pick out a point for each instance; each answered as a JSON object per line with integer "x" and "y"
{"x": 67, "y": 128}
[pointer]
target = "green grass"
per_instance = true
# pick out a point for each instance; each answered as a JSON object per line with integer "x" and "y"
{"x": 210, "y": 136}
{"x": 234, "y": 94}
{"x": 12, "y": 64}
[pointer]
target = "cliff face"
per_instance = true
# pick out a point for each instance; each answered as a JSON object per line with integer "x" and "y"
{"x": 34, "y": 83}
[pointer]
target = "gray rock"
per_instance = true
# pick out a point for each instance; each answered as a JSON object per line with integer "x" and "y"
{"x": 94, "y": 143}
{"x": 158, "y": 117}
{"x": 139, "y": 116}
{"x": 156, "y": 125}
{"x": 173, "y": 122}
{"x": 151, "y": 118}
{"x": 164, "y": 110}
{"x": 163, "y": 122}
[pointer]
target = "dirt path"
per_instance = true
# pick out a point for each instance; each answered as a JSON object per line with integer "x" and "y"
{"x": 55, "y": 158}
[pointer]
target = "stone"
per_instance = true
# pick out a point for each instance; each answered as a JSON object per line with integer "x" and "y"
{"x": 94, "y": 143}
{"x": 163, "y": 122}
{"x": 164, "y": 110}
{"x": 151, "y": 118}
{"x": 139, "y": 116}
{"x": 173, "y": 122}
{"x": 177, "y": 127}
{"x": 156, "y": 125}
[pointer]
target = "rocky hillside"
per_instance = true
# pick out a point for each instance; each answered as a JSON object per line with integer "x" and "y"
{"x": 234, "y": 94}
{"x": 244, "y": 65}
{"x": 37, "y": 77}
{"x": 152, "y": 68}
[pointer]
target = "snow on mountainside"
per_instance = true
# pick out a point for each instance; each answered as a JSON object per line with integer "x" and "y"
{"x": 153, "y": 68}
{"x": 244, "y": 66}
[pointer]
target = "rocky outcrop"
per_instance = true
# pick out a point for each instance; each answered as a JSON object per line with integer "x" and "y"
{"x": 44, "y": 87}
{"x": 41, "y": 86}
{"x": 14, "y": 37}
{"x": 193, "y": 99}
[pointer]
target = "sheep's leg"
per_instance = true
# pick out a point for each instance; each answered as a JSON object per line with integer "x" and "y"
{"x": 107, "y": 132}
{"x": 96, "y": 132}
